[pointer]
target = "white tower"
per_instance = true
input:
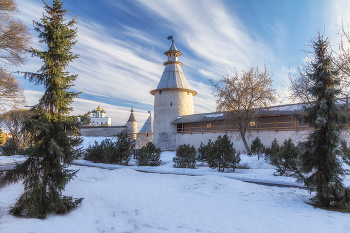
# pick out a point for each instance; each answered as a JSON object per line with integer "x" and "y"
{"x": 131, "y": 125}
{"x": 172, "y": 98}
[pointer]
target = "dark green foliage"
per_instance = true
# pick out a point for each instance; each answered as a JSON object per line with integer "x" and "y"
{"x": 9, "y": 149}
{"x": 286, "y": 159}
{"x": 185, "y": 157}
{"x": 54, "y": 134}
{"x": 346, "y": 152}
{"x": 118, "y": 152}
{"x": 101, "y": 153}
{"x": 202, "y": 151}
{"x": 222, "y": 155}
{"x": 257, "y": 148}
{"x": 148, "y": 155}
{"x": 320, "y": 159}
{"x": 124, "y": 150}
{"x": 271, "y": 152}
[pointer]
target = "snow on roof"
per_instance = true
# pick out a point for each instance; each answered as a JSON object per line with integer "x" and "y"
{"x": 215, "y": 115}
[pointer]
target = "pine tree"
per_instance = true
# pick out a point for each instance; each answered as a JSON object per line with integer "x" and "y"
{"x": 222, "y": 155}
{"x": 322, "y": 149}
{"x": 257, "y": 147}
{"x": 287, "y": 159}
{"x": 271, "y": 152}
{"x": 185, "y": 156}
{"x": 54, "y": 134}
{"x": 148, "y": 155}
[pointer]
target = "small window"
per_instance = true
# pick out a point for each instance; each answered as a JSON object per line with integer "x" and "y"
{"x": 147, "y": 135}
{"x": 160, "y": 92}
{"x": 209, "y": 125}
{"x": 171, "y": 103}
{"x": 252, "y": 123}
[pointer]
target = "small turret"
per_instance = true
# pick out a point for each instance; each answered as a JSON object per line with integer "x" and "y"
{"x": 131, "y": 125}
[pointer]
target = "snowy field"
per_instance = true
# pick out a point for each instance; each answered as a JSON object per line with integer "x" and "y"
{"x": 123, "y": 199}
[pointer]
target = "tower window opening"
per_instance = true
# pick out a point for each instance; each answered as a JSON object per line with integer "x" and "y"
{"x": 160, "y": 92}
{"x": 171, "y": 103}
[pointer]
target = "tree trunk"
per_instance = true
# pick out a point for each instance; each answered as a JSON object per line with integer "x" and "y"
{"x": 242, "y": 133}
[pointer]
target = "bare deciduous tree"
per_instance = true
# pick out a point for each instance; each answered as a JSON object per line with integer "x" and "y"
{"x": 11, "y": 92}
{"x": 13, "y": 122}
{"x": 14, "y": 35}
{"x": 238, "y": 96}
{"x": 299, "y": 85}
{"x": 14, "y": 42}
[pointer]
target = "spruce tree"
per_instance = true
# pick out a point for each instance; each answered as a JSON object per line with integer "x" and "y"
{"x": 148, "y": 155}
{"x": 54, "y": 134}
{"x": 222, "y": 155}
{"x": 257, "y": 147}
{"x": 320, "y": 160}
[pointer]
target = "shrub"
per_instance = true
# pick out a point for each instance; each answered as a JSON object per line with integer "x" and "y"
{"x": 124, "y": 150}
{"x": 148, "y": 155}
{"x": 118, "y": 152}
{"x": 185, "y": 157}
{"x": 287, "y": 159}
{"x": 202, "y": 151}
{"x": 222, "y": 155}
{"x": 9, "y": 149}
{"x": 257, "y": 147}
{"x": 271, "y": 152}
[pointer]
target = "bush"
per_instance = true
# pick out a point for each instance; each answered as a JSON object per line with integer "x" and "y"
{"x": 271, "y": 152}
{"x": 287, "y": 159}
{"x": 202, "y": 151}
{"x": 257, "y": 147}
{"x": 9, "y": 149}
{"x": 148, "y": 155}
{"x": 118, "y": 152}
{"x": 185, "y": 157}
{"x": 222, "y": 155}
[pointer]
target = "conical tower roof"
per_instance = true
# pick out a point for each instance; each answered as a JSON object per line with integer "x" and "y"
{"x": 148, "y": 126}
{"x": 132, "y": 117}
{"x": 173, "y": 76}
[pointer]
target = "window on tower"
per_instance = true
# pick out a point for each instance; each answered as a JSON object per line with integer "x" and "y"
{"x": 171, "y": 103}
{"x": 160, "y": 92}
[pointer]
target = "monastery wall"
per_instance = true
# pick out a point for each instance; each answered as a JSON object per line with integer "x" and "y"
{"x": 143, "y": 139}
{"x": 266, "y": 138}
{"x": 102, "y": 131}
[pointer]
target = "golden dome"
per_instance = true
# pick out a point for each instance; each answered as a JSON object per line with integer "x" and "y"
{"x": 99, "y": 108}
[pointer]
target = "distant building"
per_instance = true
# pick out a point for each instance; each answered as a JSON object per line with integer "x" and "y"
{"x": 99, "y": 118}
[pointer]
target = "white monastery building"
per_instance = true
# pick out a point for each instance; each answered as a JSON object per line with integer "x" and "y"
{"x": 99, "y": 118}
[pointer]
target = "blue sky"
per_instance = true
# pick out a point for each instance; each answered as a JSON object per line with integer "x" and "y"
{"x": 122, "y": 43}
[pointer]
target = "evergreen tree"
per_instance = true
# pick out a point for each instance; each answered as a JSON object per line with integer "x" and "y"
{"x": 287, "y": 159}
{"x": 54, "y": 134}
{"x": 123, "y": 150}
{"x": 222, "y": 155}
{"x": 202, "y": 151}
{"x": 320, "y": 158}
{"x": 185, "y": 157}
{"x": 257, "y": 147}
{"x": 271, "y": 152}
{"x": 148, "y": 155}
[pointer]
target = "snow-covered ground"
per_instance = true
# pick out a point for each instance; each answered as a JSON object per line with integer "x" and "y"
{"x": 121, "y": 199}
